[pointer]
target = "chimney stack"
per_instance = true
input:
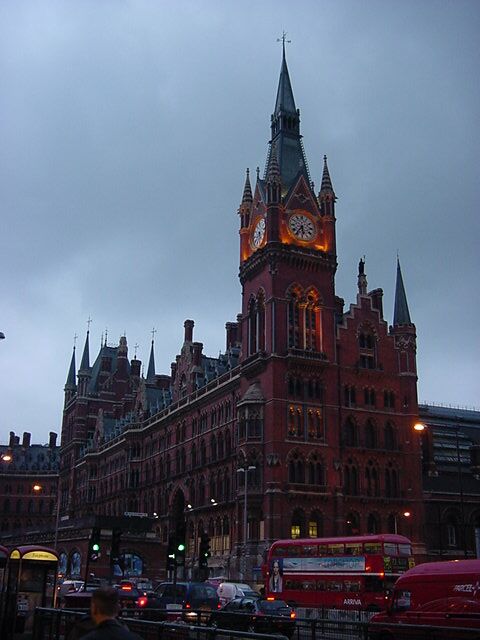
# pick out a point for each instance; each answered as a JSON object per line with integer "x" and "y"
{"x": 188, "y": 325}
{"x": 11, "y": 441}
{"x": 52, "y": 440}
{"x": 26, "y": 439}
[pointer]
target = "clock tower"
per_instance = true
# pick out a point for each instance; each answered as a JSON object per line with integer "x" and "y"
{"x": 325, "y": 406}
{"x": 287, "y": 244}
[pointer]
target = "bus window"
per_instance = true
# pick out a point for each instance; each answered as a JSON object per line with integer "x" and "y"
{"x": 404, "y": 549}
{"x": 373, "y": 583}
{"x": 308, "y": 585}
{"x": 336, "y": 549}
{"x": 353, "y": 548}
{"x": 321, "y": 586}
{"x": 390, "y": 549}
{"x": 280, "y": 552}
{"x": 308, "y": 550}
{"x": 334, "y": 585}
{"x": 322, "y": 550}
{"x": 352, "y": 585}
{"x": 372, "y": 547}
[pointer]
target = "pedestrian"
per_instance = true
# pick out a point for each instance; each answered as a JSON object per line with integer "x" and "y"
{"x": 104, "y": 610}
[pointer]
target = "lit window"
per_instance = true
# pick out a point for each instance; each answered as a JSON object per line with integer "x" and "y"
{"x": 295, "y": 531}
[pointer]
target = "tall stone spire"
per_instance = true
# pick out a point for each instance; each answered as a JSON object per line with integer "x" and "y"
{"x": 285, "y": 128}
{"x": 285, "y": 102}
{"x": 85, "y": 372}
{"x": 401, "y": 314}
{"x": 70, "y": 388}
{"x": 151, "y": 365}
{"x": 71, "y": 377}
{"x": 85, "y": 363}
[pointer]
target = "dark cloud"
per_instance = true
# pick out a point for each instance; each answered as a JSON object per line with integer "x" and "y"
{"x": 126, "y": 128}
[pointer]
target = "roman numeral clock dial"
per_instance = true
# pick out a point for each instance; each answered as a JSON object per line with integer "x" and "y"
{"x": 302, "y": 227}
{"x": 258, "y": 233}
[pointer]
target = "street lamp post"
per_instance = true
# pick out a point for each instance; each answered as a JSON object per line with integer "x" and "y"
{"x": 420, "y": 428}
{"x": 245, "y": 471}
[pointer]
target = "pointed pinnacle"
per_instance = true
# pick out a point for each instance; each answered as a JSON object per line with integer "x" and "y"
{"x": 326, "y": 180}
{"x": 247, "y": 190}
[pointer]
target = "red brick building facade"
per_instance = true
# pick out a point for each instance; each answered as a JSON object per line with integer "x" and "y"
{"x": 28, "y": 487}
{"x": 312, "y": 404}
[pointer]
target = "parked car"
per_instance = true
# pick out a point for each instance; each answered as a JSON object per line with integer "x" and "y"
{"x": 229, "y": 590}
{"x": 256, "y": 615}
{"x": 68, "y": 586}
{"x": 129, "y": 595}
{"x": 144, "y": 584}
{"x": 169, "y": 601}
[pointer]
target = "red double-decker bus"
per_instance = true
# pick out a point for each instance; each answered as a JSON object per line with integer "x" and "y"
{"x": 341, "y": 573}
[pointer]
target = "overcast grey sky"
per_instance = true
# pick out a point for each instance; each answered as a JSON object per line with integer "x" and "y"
{"x": 125, "y": 131}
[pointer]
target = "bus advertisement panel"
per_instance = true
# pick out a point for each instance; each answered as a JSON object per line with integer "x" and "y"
{"x": 344, "y": 573}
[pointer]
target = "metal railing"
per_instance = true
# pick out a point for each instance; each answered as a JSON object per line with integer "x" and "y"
{"x": 65, "y": 624}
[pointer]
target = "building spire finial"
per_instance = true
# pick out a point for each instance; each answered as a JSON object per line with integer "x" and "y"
{"x": 283, "y": 39}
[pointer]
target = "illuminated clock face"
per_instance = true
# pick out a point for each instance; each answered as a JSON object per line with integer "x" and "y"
{"x": 302, "y": 227}
{"x": 259, "y": 233}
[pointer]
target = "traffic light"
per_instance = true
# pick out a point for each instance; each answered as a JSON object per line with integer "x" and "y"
{"x": 94, "y": 545}
{"x": 204, "y": 553}
{"x": 115, "y": 548}
{"x": 180, "y": 545}
{"x": 180, "y": 553}
{"x": 171, "y": 553}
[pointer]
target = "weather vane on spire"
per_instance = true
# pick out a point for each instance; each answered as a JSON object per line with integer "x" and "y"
{"x": 89, "y": 322}
{"x": 136, "y": 349}
{"x": 153, "y": 332}
{"x": 283, "y": 40}
{"x": 75, "y": 341}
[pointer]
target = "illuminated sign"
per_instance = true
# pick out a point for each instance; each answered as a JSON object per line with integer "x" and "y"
{"x": 328, "y": 564}
{"x": 34, "y": 555}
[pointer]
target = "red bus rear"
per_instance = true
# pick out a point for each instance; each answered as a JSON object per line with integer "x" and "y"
{"x": 342, "y": 573}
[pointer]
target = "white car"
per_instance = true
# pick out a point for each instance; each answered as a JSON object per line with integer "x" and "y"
{"x": 68, "y": 586}
{"x": 227, "y": 591}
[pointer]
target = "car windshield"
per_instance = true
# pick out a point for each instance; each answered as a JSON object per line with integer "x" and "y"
{"x": 272, "y": 605}
{"x": 167, "y": 590}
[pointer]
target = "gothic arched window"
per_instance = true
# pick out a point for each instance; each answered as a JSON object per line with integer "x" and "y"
{"x": 370, "y": 435}
{"x": 311, "y": 324}
{"x": 294, "y": 321}
{"x": 350, "y": 436}
{"x": 390, "y": 443}
{"x": 252, "y": 327}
